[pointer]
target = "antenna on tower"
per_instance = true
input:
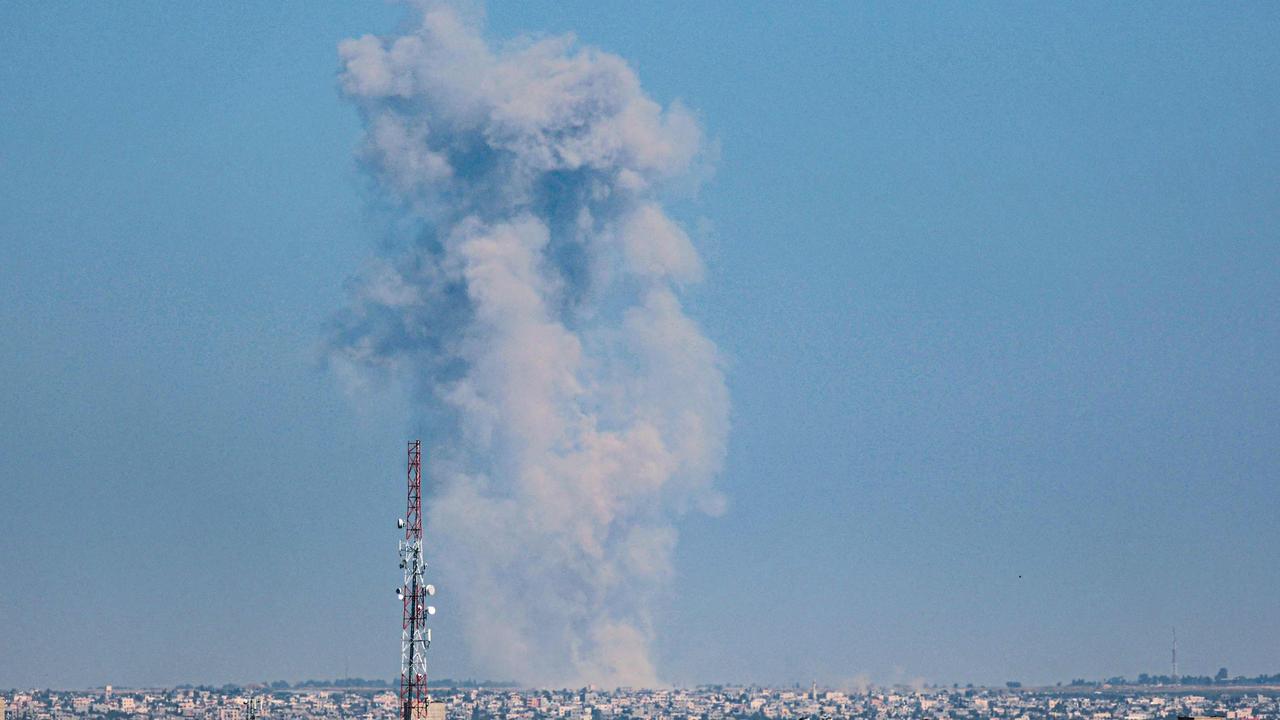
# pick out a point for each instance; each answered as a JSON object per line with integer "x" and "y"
{"x": 1174, "y": 654}
{"x": 415, "y": 636}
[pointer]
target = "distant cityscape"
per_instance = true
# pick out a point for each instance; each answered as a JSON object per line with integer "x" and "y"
{"x": 356, "y": 699}
{"x": 1219, "y": 679}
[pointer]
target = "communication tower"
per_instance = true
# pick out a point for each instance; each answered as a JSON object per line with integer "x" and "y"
{"x": 1175, "y": 656}
{"x": 415, "y": 636}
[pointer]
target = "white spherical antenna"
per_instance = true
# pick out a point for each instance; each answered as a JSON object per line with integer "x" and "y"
{"x": 431, "y": 609}
{"x": 431, "y": 589}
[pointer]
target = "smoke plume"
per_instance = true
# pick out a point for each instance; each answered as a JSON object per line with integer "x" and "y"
{"x": 576, "y": 410}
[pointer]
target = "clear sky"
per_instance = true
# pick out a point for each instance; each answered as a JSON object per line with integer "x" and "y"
{"x": 997, "y": 285}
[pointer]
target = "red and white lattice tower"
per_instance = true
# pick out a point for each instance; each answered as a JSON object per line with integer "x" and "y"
{"x": 415, "y": 637}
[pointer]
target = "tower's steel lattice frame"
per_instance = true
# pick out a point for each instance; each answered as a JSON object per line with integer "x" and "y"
{"x": 415, "y": 637}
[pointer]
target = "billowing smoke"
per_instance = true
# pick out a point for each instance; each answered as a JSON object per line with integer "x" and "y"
{"x": 577, "y": 411}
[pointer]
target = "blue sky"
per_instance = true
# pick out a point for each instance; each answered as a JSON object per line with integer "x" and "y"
{"x": 996, "y": 285}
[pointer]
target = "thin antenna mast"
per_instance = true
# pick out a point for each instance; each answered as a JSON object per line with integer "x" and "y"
{"x": 1175, "y": 656}
{"x": 415, "y": 636}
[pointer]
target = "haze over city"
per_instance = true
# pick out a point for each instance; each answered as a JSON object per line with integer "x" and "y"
{"x": 831, "y": 343}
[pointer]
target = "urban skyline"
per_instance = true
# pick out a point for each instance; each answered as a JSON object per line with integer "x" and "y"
{"x": 709, "y": 702}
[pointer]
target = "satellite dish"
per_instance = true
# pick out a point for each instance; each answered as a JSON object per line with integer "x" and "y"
{"x": 401, "y": 564}
{"x": 431, "y": 609}
{"x": 399, "y": 593}
{"x": 431, "y": 589}
{"x": 399, "y": 522}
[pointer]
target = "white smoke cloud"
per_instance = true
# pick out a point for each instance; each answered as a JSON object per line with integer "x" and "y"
{"x": 578, "y": 410}
{"x": 859, "y": 684}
